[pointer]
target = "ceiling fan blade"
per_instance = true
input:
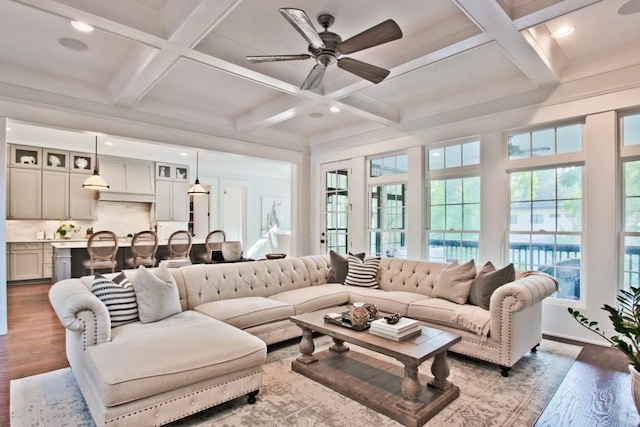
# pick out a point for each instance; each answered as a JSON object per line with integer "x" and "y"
{"x": 384, "y": 32}
{"x": 276, "y": 58}
{"x": 366, "y": 71}
{"x": 315, "y": 76}
{"x": 302, "y": 23}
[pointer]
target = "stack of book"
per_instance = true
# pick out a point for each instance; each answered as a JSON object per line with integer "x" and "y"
{"x": 405, "y": 328}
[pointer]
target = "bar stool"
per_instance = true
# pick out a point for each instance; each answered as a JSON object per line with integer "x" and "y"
{"x": 213, "y": 243}
{"x": 144, "y": 246}
{"x": 102, "y": 247}
{"x": 179, "y": 245}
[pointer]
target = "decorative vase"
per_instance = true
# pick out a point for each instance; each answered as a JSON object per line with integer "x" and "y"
{"x": 67, "y": 236}
{"x": 231, "y": 251}
{"x": 635, "y": 386}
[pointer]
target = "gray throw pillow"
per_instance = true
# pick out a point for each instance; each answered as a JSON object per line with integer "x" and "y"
{"x": 454, "y": 282}
{"x": 157, "y": 294}
{"x": 485, "y": 284}
{"x": 119, "y": 297}
{"x": 339, "y": 267}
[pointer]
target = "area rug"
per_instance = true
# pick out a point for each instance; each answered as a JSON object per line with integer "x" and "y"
{"x": 290, "y": 399}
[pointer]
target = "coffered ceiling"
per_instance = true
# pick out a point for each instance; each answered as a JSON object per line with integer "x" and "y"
{"x": 182, "y": 63}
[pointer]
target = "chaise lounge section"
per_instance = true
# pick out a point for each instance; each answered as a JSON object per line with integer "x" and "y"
{"x": 213, "y": 350}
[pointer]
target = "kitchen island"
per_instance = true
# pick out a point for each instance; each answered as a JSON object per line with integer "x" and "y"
{"x": 68, "y": 256}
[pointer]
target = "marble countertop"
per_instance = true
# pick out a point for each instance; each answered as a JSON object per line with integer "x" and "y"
{"x": 45, "y": 241}
{"x": 82, "y": 243}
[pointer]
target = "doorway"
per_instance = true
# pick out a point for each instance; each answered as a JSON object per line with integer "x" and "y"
{"x": 234, "y": 212}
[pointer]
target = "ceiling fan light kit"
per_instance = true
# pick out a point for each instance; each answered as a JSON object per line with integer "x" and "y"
{"x": 327, "y": 47}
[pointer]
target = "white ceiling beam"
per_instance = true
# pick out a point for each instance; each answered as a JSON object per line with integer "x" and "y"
{"x": 276, "y": 111}
{"x": 488, "y": 15}
{"x": 370, "y": 109}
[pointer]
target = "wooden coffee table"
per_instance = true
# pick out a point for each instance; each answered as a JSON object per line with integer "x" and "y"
{"x": 378, "y": 384}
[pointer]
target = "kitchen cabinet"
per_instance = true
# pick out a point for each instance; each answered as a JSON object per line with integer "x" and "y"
{"x": 55, "y": 195}
{"x": 172, "y": 201}
{"x": 82, "y": 202}
{"x": 127, "y": 176}
{"x": 25, "y": 261}
{"x": 47, "y": 257}
{"x": 25, "y": 193}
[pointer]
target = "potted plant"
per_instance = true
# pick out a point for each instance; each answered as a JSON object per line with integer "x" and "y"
{"x": 626, "y": 322}
{"x": 66, "y": 230}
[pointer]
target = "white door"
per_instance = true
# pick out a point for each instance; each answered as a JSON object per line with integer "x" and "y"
{"x": 234, "y": 213}
{"x": 335, "y": 208}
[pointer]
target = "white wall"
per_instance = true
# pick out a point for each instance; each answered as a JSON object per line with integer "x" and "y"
{"x": 3, "y": 239}
{"x": 600, "y": 246}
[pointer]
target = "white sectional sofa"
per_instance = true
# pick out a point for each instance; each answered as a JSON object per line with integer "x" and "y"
{"x": 154, "y": 373}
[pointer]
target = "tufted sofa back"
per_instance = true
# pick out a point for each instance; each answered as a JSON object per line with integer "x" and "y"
{"x": 408, "y": 275}
{"x": 212, "y": 282}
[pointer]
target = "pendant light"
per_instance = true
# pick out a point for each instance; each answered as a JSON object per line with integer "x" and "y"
{"x": 196, "y": 187}
{"x": 95, "y": 181}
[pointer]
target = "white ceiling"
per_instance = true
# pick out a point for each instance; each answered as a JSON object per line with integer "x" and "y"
{"x": 182, "y": 62}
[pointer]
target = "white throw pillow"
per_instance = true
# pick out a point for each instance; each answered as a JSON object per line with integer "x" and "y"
{"x": 157, "y": 294}
{"x": 362, "y": 273}
{"x": 119, "y": 297}
{"x": 454, "y": 282}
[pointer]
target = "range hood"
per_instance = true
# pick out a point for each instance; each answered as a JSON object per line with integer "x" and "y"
{"x": 119, "y": 196}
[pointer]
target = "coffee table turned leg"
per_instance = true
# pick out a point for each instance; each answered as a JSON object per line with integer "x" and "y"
{"x": 307, "y": 347}
{"x": 338, "y": 346}
{"x": 411, "y": 389}
{"x": 440, "y": 371}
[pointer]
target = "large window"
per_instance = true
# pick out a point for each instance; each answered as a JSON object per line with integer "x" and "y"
{"x": 547, "y": 233}
{"x": 630, "y": 140}
{"x": 387, "y": 206}
{"x": 631, "y": 233}
{"x": 454, "y": 202}
{"x": 388, "y": 220}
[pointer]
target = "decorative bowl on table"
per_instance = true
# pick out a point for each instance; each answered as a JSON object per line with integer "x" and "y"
{"x": 275, "y": 256}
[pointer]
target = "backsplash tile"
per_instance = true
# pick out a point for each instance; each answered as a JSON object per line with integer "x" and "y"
{"x": 120, "y": 217}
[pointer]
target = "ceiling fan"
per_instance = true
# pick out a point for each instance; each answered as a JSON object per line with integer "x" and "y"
{"x": 327, "y": 47}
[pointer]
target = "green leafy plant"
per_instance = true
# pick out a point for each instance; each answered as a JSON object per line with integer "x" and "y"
{"x": 626, "y": 322}
{"x": 65, "y": 228}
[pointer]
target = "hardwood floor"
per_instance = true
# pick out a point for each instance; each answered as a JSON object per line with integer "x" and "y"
{"x": 595, "y": 392}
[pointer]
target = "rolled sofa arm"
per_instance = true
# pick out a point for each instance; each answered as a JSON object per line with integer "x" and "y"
{"x": 530, "y": 288}
{"x": 79, "y": 310}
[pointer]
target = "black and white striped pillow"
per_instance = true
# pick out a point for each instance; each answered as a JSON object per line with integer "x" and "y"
{"x": 119, "y": 297}
{"x": 362, "y": 273}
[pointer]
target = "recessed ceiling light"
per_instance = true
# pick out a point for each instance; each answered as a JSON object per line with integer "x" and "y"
{"x": 8, "y": 128}
{"x": 81, "y": 26}
{"x": 334, "y": 109}
{"x": 73, "y": 44}
{"x": 562, "y": 32}
{"x": 184, "y": 154}
{"x": 629, "y": 8}
{"x": 316, "y": 115}
{"x": 108, "y": 143}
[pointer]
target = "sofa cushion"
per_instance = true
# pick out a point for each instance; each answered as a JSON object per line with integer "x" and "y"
{"x": 157, "y": 294}
{"x": 119, "y": 297}
{"x": 248, "y": 311}
{"x": 440, "y": 311}
{"x": 313, "y": 298}
{"x": 362, "y": 273}
{"x": 147, "y": 359}
{"x": 487, "y": 281}
{"x": 339, "y": 267}
{"x": 386, "y": 301}
{"x": 454, "y": 282}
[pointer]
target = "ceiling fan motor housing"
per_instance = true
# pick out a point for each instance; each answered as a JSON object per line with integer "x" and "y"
{"x": 328, "y": 54}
